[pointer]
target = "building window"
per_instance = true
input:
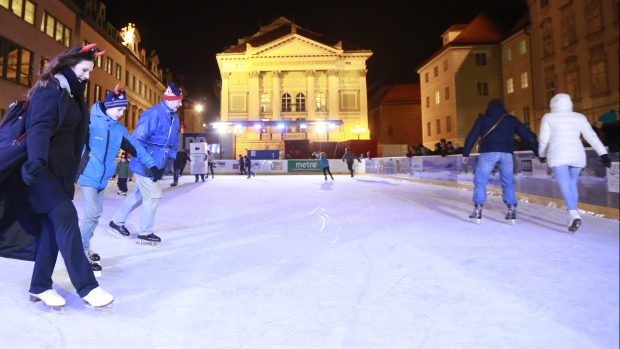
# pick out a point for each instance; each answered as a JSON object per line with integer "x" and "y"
{"x": 598, "y": 69}
{"x": 99, "y": 62}
{"x": 482, "y": 88}
{"x": 428, "y": 128}
{"x": 522, "y": 47}
{"x": 321, "y": 102}
{"x": 286, "y": 103}
{"x": 108, "y": 65}
{"x": 447, "y": 93}
{"x": 97, "y": 93}
{"x": 265, "y": 103}
{"x": 438, "y": 126}
{"x": 510, "y": 87}
{"x": 300, "y": 102}
{"x": 15, "y": 62}
{"x": 594, "y": 17}
{"x": 508, "y": 54}
{"x": 524, "y": 80}
{"x": 425, "y": 77}
{"x": 445, "y": 65}
{"x": 550, "y": 88}
{"x": 119, "y": 72}
{"x": 22, "y": 9}
{"x": 127, "y": 78}
{"x": 133, "y": 83}
{"x": 546, "y": 28}
{"x": 349, "y": 100}
{"x": 569, "y": 28}
{"x": 448, "y": 124}
{"x": 428, "y": 102}
{"x": 481, "y": 58}
{"x": 571, "y": 76}
{"x": 86, "y": 92}
{"x": 437, "y": 97}
{"x": 55, "y": 29}
{"x": 436, "y": 71}
{"x": 526, "y": 116}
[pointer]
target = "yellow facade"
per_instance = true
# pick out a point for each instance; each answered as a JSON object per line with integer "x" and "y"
{"x": 297, "y": 80}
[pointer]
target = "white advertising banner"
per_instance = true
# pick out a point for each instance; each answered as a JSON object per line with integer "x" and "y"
{"x": 613, "y": 185}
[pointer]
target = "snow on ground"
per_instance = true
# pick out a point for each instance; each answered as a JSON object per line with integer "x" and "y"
{"x": 295, "y": 262}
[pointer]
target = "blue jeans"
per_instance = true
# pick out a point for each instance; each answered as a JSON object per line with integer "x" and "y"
{"x": 567, "y": 177}
{"x": 484, "y": 167}
{"x": 93, "y": 206}
{"x": 146, "y": 194}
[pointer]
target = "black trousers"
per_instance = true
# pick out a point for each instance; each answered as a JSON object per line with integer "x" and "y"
{"x": 61, "y": 232}
{"x": 210, "y": 170}
{"x": 176, "y": 173}
{"x": 325, "y": 171}
{"x": 202, "y": 177}
{"x": 350, "y": 166}
{"x": 122, "y": 184}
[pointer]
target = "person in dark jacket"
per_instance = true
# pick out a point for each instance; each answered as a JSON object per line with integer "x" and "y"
{"x": 158, "y": 131}
{"x": 106, "y": 137}
{"x": 248, "y": 166}
{"x": 56, "y": 128}
{"x": 179, "y": 165}
{"x": 496, "y": 150}
{"x": 241, "y": 165}
{"x": 122, "y": 174}
{"x": 210, "y": 164}
{"x": 350, "y": 157}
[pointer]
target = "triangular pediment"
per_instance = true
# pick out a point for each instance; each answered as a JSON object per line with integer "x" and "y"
{"x": 294, "y": 45}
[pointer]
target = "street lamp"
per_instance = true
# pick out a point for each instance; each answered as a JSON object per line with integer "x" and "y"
{"x": 357, "y": 129}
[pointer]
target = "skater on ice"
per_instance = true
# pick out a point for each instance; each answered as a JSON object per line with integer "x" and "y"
{"x": 248, "y": 166}
{"x": 179, "y": 165}
{"x": 106, "y": 137}
{"x": 496, "y": 129}
{"x": 158, "y": 131}
{"x": 241, "y": 165}
{"x": 42, "y": 190}
{"x": 350, "y": 158}
{"x": 122, "y": 174}
{"x": 210, "y": 164}
{"x": 325, "y": 166}
{"x": 560, "y": 144}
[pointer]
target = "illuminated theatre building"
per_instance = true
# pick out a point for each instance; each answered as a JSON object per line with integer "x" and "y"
{"x": 286, "y": 88}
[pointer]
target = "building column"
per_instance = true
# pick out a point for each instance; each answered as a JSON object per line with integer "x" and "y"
{"x": 363, "y": 121}
{"x": 276, "y": 98}
{"x": 253, "y": 96}
{"x": 310, "y": 97}
{"x": 224, "y": 97}
{"x": 333, "y": 98}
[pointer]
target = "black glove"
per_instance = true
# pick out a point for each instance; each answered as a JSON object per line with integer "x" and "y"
{"x": 31, "y": 169}
{"x": 542, "y": 160}
{"x": 157, "y": 173}
{"x": 606, "y": 160}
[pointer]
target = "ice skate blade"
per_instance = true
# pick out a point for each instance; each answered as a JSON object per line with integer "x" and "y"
{"x": 476, "y": 220}
{"x": 98, "y": 274}
{"x": 152, "y": 244}
{"x": 35, "y": 299}
{"x": 113, "y": 232}
{"x": 99, "y": 307}
{"x": 512, "y": 221}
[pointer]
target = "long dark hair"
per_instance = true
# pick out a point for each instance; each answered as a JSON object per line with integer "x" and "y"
{"x": 68, "y": 58}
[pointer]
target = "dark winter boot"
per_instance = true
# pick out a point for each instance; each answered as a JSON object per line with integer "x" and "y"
{"x": 511, "y": 215}
{"x": 476, "y": 215}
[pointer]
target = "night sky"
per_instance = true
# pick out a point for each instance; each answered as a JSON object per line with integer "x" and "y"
{"x": 188, "y": 34}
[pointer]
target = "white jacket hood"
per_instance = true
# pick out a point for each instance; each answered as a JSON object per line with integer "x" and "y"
{"x": 561, "y": 102}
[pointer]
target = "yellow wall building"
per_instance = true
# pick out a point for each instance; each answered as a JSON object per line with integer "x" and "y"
{"x": 285, "y": 75}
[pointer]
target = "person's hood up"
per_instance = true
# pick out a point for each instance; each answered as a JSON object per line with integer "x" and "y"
{"x": 561, "y": 102}
{"x": 495, "y": 108}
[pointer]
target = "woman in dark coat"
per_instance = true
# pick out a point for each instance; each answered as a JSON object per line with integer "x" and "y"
{"x": 56, "y": 130}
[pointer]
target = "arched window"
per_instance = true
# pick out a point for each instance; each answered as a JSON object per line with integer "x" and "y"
{"x": 321, "y": 102}
{"x": 286, "y": 102}
{"x": 300, "y": 102}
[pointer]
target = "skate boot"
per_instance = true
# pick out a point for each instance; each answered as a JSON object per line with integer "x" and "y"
{"x": 98, "y": 298}
{"x": 51, "y": 298}
{"x": 511, "y": 215}
{"x": 574, "y": 221}
{"x": 173, "y": 184}
{"x": 476, "y": 215}
{"x": 151, "y": 239}
{"x": 93, "y": 256}
{"x": 118, "y": 230}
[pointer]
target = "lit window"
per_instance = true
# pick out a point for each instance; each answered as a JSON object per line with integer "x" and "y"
{"x": 15, "y": 63}
{"x": 509, "y": 54}
{"x": 265, "y": 103}
{"x": 522, "y": 47}
{"x": 24, "y": 9}
{"x": 321, "y": 102}
{"x": 510, "y": 88}
{"x": 56, "y": 29}
{"x": 524, "y": 80}
{"x": 437, "y": 97}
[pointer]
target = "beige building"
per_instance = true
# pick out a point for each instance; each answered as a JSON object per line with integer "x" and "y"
{"x": 458, "y": 81}
{"x": 288, "y": 83}
{"x": 575, "y": 51}
{"x": 32, "y": 33}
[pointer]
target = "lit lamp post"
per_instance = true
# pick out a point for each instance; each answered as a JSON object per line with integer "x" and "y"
{"x": 357, "y": 129}
{"x": 199, "y": 108}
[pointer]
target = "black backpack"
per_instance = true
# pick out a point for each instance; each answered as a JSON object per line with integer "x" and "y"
{"x": 13, "y": 137}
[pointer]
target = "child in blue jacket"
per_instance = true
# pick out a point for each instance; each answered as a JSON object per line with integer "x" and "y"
{"x": 106, "y": 137}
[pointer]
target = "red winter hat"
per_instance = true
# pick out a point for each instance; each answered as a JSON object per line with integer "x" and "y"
{"x": 172, "y": 93}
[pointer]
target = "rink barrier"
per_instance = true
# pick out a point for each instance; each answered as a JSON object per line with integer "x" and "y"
{"x": 534, "y": 181}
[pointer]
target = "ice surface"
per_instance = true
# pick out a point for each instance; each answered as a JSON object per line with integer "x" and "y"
{"x": 367, "y": 262}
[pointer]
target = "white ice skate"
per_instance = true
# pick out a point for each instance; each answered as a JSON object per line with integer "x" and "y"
{"x": 574, "y": 221}
{"x": 98, "y": 298}
{"x": 476, "y": 215}
{"x": 51, "y": 298}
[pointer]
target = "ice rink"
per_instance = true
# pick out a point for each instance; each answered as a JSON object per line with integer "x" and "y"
{"x": 369, "y": 262}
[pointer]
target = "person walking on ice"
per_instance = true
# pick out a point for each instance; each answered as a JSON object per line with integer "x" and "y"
{"x": 158, "y": 131}
{"x": 560, "y": 145}
{"x": 106, "y": 137}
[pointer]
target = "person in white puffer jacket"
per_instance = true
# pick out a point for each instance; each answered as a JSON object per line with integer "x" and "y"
{"x": 559, "y": 143}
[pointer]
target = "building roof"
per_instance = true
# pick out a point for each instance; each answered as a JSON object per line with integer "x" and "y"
{"x": 483, "y": 29}
{"x": 282, "y": 27}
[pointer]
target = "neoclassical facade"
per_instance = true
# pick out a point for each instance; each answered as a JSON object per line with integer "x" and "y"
{"x": 287, "y": 83}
